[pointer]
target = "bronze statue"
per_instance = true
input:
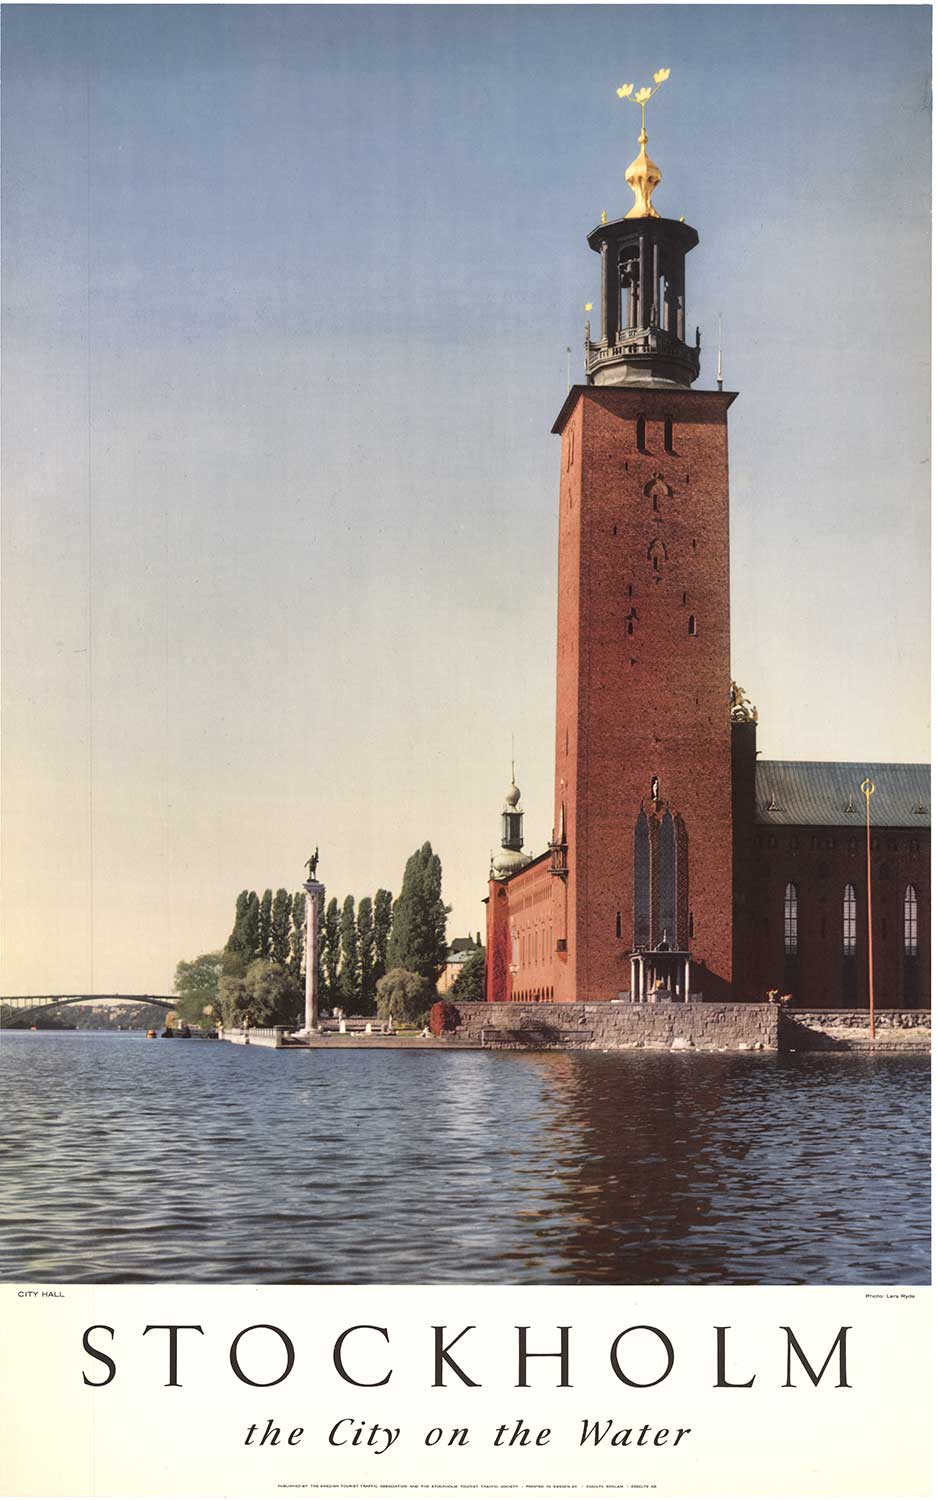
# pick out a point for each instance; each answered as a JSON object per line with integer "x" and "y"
{"x": 741, "y": 708}
{"x": 312, "y": 864}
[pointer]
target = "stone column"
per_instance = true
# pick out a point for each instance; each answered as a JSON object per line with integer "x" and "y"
{"x": 314, "y": 895}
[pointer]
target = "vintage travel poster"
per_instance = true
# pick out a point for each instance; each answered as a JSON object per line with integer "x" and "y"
{"x": 465, "y": 995}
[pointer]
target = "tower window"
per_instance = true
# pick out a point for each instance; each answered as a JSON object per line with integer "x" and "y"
{"x": 618, "y": 924}
{"x": 668, "y": 434}
{"x": 910, "y": 922}
{"x": 691, "y": 625}
{"x": 642, "y": 882}
{"x": 790, "y": 920}
{"x": 641, "y": 432}
{"x": 849, "y": 922}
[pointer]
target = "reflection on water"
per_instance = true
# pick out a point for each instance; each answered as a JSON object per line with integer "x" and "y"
{"x": 128, "y": 1160}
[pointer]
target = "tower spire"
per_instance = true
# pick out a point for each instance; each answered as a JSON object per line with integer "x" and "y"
{"x": 643, "y": 175}
{"x": 643, "y": 322}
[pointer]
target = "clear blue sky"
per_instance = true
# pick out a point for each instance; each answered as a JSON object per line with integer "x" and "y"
{"x": 287, "y": 295}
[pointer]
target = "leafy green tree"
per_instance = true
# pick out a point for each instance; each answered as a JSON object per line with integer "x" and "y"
{"x": 233, "y": 999}
{"x": 274, "y": 996}
{"x": 383, "y": 918}
{"x": 196, "y": 984}
{"x": 366, "y": 955}
{"x": 469, "y": 983}
{"x": 349, "y": 975}
{"x": 297, "y": 934}
{"x": 404, "y": 995}
{"x": 266, "y": 995}
{"x": 418, "y": 935}
{"x": 263, "y": 924}
{"x": 331, "y": 952}
{"x": 280, "y": 928}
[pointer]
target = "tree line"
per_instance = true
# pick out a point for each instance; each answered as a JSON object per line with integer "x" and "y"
{"x": 376, "y": 956}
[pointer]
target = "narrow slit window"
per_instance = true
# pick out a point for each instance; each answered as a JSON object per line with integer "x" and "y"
{"x": 849, "y": 922}
{"x": 618, "y": 924}
{"x": 668, "y": 434}
{"x": 691, "y": 625}
{"x": 910, "y": 922}
{"x": 641, "y": 435}
{"x": 790, "y": 920}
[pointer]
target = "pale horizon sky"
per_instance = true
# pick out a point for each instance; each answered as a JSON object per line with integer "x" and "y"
{"x": 287, "y": 293}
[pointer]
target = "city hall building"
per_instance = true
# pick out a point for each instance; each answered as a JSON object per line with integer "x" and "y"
{"x": 681, "y": 865}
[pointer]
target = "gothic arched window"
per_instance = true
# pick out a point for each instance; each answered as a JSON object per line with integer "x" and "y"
{"x": 642, "y": 882}
{"x": 790, "y": 920}
{"x": 910, "y": 922}
{"x": 667, "y": 880}
{"x": 849, "y": 922}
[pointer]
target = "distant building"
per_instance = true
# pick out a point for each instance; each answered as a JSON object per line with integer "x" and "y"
{"x": 679, "y": 863}
{"x": 460, "y": 951}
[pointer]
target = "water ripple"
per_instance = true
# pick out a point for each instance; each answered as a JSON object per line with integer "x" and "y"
{"x": 125, "y": 1160}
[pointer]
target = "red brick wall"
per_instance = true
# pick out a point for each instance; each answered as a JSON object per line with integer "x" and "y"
{"x": 653, "y": 702}
{"x": 497, "y": 944}
{"x": 821, "y": 862}
{"x": 520, "y": 932}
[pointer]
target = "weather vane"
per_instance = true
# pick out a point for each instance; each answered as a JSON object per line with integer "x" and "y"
{"x": 643, "y": 175}
{"x": 645, "y": 95}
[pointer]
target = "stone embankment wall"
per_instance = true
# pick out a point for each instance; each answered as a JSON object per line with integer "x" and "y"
{"x": 664, "y": 1025}
{"x": 858, "y": 1020}
{"x": 848, "y": 1031}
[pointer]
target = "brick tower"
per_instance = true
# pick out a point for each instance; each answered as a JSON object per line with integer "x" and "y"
{"x": 641, "y": 855}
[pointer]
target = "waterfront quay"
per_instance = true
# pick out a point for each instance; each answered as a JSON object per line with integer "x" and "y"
{"x": 662, "y": 1027}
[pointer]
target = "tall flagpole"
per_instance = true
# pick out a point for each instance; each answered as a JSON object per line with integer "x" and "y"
{"x": 867, "y": 788}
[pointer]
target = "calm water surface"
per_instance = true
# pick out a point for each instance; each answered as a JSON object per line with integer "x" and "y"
{"x": 128, "y": 1160}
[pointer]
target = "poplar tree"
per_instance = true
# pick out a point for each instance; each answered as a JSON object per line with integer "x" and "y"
{"x": 366, "y": 954}
{"x": 298, "y": 933}
{"x": 331, "y": 951}
{"x": 418, "y": 934}
{"x": 280, "y": 927}
{"x": 348, "y": 983}
{"x": 383, "y": 917}
{"x": 233, "y": 945}
{"x": 263, "y": 924}
{"x": 250, "y": 928}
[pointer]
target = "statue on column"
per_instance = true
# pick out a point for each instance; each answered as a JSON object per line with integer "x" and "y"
{"x": 312, "y": 864}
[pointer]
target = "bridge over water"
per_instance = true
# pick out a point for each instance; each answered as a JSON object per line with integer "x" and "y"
{"x": 46, "y": 1002}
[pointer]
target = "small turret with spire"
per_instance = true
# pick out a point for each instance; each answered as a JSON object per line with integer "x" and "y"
{"x": 512, "y": 857}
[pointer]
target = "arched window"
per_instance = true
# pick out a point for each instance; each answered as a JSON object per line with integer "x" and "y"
{"x": 642, "y": 882}
{"x": 641, "y": 434}
{"x": 667, "y": 880}
{"x": 849, "y": 922}
{"x": 790, "y": 920}
{"x": 910, "y": 922}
